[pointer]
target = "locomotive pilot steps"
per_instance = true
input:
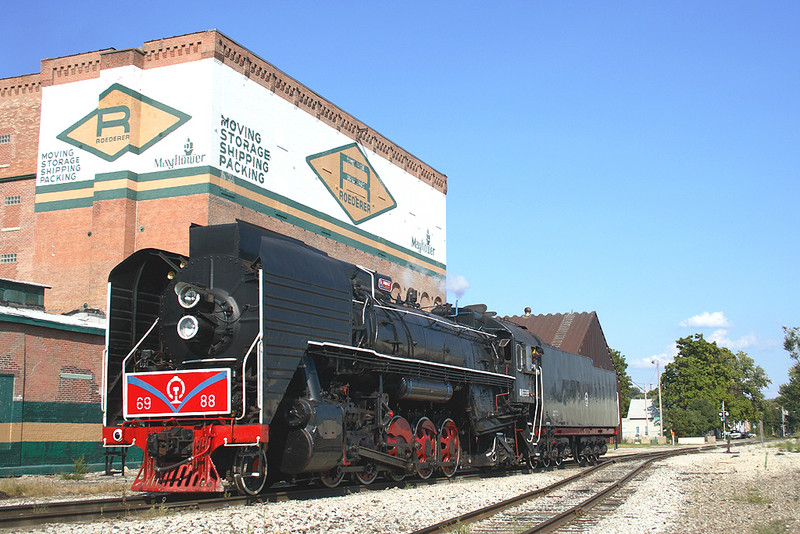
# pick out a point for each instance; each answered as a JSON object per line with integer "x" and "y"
{"x": 258, "y": 358}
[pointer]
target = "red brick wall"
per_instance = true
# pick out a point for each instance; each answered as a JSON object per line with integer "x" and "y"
{"x": 20, "y": 108}
{"x": 45, "y": 354}
{"x": 76, "y": 249}
{"x": 16, "y": 228}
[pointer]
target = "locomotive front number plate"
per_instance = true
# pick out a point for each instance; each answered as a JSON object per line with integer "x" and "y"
{"x": 171, "y": 393}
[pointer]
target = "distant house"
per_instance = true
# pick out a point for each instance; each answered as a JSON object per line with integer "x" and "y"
{"x": 642, "y": 422}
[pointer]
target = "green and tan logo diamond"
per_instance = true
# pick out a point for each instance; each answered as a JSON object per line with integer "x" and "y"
{"x": 350, "y": 178}
{"x": 124, "y": 121}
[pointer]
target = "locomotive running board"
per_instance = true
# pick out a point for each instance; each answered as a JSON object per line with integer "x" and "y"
{"x": 409, "y": 366}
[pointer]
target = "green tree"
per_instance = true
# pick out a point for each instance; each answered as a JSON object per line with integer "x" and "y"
{"x": 636, "y": 393}
{"x": 701, "y": 377}
{"x": 791, "y": 342}
{"x": 772, "y": 417}
{"x": 789, "y": 399}
{"x": 789, "y": 393}
{"x": 746, "y": 396}
{"x": 625, "y": 382}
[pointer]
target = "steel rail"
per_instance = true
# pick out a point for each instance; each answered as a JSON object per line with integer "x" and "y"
{"x": 579, "y": 510}
{"x": 494, "y": 509}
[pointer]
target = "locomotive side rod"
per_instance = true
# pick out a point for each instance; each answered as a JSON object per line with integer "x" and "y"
{"x": 384, "y": 458}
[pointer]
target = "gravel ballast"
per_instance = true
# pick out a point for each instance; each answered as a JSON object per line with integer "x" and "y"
{"x": 753, "y": 489}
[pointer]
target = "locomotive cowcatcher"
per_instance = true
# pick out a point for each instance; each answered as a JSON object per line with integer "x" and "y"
{"x": 258, "y": 358}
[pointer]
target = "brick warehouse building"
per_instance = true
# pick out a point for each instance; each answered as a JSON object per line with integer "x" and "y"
{"x": 108, "y": 152}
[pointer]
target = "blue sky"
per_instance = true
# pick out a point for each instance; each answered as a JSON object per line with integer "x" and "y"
{"x": 638, "y": 159}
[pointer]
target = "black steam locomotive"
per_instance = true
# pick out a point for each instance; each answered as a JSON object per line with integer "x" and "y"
{"x": 259, "y": 358}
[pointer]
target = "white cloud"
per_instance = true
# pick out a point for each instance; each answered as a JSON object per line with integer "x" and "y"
{"x": 722, "y": 339}
{"x": 664, "y": 358}
{"x": 707, "y": 320}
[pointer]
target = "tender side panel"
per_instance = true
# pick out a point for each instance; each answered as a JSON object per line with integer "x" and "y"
{"x": 576, "y": 393}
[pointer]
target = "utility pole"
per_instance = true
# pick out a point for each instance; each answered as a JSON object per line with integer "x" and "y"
{"x": 723, "y": 416}
{"x": 646, "y": 415}
{"x": 783, "y": 422}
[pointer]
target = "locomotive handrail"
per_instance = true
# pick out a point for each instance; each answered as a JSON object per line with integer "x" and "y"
{"x": 244, "y": 365}
{"x": 438, "y": 320}
{"x": 466, "y": 370}
{"x": 371, "y": 274}
{"x": 256, "y": 443}
{"x": 118, "y": 445}
{"x": 125, "y": 359}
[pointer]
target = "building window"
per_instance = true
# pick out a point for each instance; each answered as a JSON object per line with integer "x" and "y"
{"x": 5, "y": 139}
{"x": 11, "y": 201}
{"x": 8, "y": 258}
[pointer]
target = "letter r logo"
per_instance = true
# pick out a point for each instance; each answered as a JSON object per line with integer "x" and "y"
{"x": 115, "y": 121}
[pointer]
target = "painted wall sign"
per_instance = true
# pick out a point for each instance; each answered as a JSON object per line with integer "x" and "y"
{"x": 353, "y": 182}
{"x": 124, "y": 121}
{"x": 201, "y": 127}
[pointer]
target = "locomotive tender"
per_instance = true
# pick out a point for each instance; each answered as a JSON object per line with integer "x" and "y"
{"x": 259, "y": 358}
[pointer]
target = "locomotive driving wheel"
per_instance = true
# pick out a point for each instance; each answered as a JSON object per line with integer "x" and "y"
{"x": 250, "y": 470}
{"x": 332, "y": 478}
{"x": 399, "y": 438}
{"x": 425, "y": 438}
{"x": 367, "y": 475}
{"x": 449, "y": 448}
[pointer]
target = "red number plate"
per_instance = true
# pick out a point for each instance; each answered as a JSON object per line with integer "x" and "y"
{"x": 169, "y": 393}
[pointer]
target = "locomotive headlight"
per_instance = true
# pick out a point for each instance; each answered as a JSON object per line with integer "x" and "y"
{"x": 188, "y": 296}
{"x": 188, "y": 327}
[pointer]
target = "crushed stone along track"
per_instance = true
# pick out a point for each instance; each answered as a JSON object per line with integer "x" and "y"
{"x": 86, "y": 510}
{"x": 15, "y": 516}
{"x": 551, "y": 508}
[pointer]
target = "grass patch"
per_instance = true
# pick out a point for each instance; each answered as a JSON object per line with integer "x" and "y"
{"x": 156, "y": 511}
{"x": 79, "y": 470}
{"x": 787, "y": 446}
{"x": 626, "y": 445}
{"x": 773, "y": 527}
{"x": 47, "y": 487}
{"x": 753, "y": 496}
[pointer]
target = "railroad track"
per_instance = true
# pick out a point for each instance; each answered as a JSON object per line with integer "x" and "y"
{"x": 86, "y": 510}
{"x": 29, "y": 515}
{"x": 550, "y": 508}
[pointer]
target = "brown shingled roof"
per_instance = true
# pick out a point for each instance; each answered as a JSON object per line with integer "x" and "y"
{"x": 579, "y": 333}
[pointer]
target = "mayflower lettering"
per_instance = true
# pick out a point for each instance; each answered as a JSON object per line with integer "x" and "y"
{"x": 178, "y": 160}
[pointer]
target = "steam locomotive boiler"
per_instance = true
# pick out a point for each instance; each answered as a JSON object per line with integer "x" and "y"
{"x": 258, "y": 358}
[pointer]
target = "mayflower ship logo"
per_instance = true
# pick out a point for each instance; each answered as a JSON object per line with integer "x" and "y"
{"x": 124, "y": 121}
{"x": 424, "y": 245}
{"x": 350, "y": 178}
